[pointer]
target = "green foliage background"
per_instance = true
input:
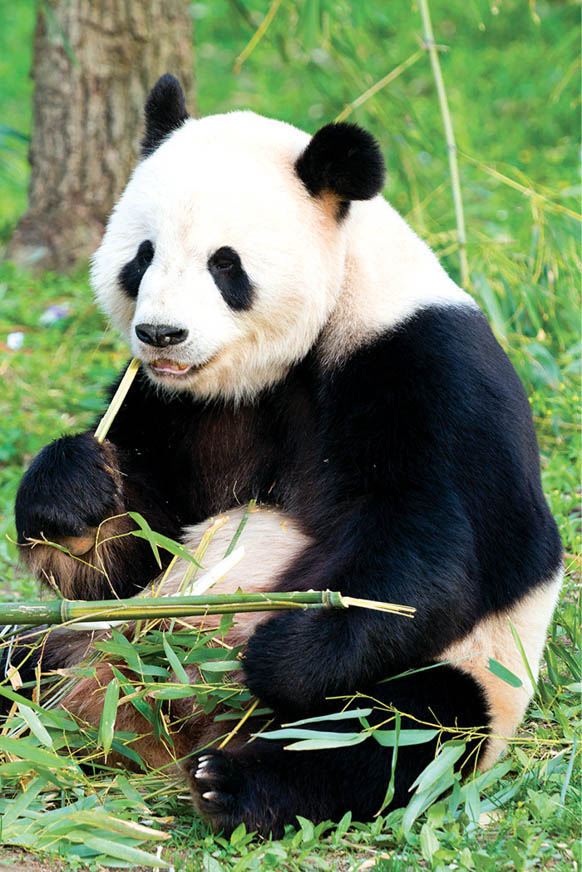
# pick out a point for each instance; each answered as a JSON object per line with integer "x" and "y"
{"x": 512, "y": 77}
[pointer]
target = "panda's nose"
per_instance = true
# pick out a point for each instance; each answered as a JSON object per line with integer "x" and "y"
{"x": 160, "y": 335}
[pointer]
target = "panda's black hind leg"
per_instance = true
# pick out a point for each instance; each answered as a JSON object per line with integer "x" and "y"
{"x": 266, "y": 787}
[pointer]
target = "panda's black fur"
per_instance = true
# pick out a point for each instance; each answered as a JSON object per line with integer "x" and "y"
{"x": 412, "y": 465}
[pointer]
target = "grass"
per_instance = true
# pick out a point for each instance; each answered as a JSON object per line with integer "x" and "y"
{"x": 511, "y": 77}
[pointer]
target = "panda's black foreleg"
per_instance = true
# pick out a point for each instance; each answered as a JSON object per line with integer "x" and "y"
{"x": 77, "y": 493}
{"x": 266, "y": 787}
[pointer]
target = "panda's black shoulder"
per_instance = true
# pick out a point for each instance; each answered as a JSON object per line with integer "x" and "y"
{"x": 430, "y": 417}
{"x": 440, "y": 368}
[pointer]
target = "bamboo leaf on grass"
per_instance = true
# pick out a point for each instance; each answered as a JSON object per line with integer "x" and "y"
{"x": 34, "y": 755}
{"x": 429, "y": 843}
{"x": 123, "y": 851}
{"x": 22, "y": 802}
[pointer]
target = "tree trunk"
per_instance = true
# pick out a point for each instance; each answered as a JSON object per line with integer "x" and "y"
{"x": 94, "y": 63}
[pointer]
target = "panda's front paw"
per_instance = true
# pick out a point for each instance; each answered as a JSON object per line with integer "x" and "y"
{"x": 72, "y": 485}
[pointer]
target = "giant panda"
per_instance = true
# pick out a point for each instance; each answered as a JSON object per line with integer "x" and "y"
{"x": 302, "y": 347}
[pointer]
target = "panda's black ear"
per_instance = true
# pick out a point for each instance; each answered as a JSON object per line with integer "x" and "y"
{"x": 165, "y": 111}
{"x": 344, "y": 160}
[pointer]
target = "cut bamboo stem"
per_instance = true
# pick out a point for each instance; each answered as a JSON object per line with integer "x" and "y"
{"x": 429, "y": 42}
{"x": 118, "y": 398}
{"x": 142, "y": 608}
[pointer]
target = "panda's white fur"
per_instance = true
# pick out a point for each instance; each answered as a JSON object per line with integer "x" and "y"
{"x": 353, "y": 278}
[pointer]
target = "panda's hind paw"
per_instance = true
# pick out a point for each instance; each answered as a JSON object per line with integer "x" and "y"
{"x": 215, "y": 781}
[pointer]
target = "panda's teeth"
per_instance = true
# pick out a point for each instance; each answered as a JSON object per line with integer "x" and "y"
{"x": 169, "y": 366}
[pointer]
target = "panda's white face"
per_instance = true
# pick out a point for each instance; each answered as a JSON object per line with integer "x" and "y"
{"x": 217, "y": 265}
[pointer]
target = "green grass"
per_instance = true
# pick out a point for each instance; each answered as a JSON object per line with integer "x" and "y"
{"x": 512, "y": 82}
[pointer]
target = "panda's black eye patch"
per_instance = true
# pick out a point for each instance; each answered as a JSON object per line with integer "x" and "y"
{"x": 230, "y": 278}
{"x": 133, "y": 272}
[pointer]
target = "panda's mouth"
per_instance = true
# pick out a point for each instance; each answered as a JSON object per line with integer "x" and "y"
{"x": 162, "y": 366}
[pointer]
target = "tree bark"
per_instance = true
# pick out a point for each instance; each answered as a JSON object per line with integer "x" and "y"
{"x": 94, "y": 63}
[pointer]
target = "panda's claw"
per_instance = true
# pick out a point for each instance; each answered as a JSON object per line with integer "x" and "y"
{"x": 203, "y": 767}
{"x": 216, "y": 781}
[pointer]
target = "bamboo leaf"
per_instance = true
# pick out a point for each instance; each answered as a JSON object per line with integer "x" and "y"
{"x": 108, "y": 716}
{"x": 389, "y": 796}
{"x": 324, "y": 744}
{"x": 135, "y": 699}
{"x": 111, "y": 848}
{"x": 22, "y": 802}
{"x": 35, "y": 725}
{"x": 336, "y": 716}
{"x": 174, "y": 662}
{"x": 422, "y": 799}
{"x": 112, "y": 824}
{"x": 472, "y": 805}
{"x": 34, "y": 755}
{"x": 292, "y": 733}
{"x": 162, "y": 541}
{"x": 503, "y": 673}
{"x": 175, "y": 692}
{"x": 446, "y": 758}
{"x": 220, "y": 665}
{"x": 429, "y": 844}
{"x": 148, "y": 534}
{"x": 240, "y": 528}
{"x": 126, "y": 751}
{"x": 315, "y": 740}
{"x": 396, "y": 738}
{"x": 61, "y": 720}
{"x": 131, "y": 793}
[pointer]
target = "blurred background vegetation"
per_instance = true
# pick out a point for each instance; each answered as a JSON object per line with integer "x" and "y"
{"x": 511, "y": 71}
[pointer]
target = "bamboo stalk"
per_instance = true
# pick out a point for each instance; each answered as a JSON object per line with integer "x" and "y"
{"x": 237, "y": 727}
{"x": 428, "y": 37}
{"x": 377, "y": 86}
{"x": 142, "y": 608}
{"x": 257, "y": 36}
{"x": 118, "y": 398}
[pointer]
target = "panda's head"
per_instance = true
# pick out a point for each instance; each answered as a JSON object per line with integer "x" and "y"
{"x": 225, "y": 255}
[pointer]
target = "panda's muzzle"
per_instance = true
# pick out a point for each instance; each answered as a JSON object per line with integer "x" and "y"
{"x": 160, "y": 335}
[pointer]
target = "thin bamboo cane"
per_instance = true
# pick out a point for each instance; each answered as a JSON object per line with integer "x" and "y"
{"x": 428, "y": 37}
{"x": 118, "y": 398}
{"x": 141, "y": 608}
